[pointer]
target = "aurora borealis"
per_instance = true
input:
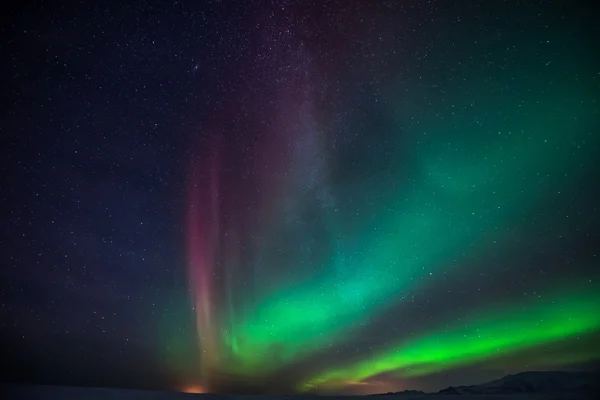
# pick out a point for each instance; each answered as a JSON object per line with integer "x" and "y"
{"x": 492, "y": 335}
{"x": 333, "y": 249}
{"x": 331, "y": 197}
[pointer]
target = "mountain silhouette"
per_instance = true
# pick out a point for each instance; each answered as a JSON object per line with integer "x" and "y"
{"x": 534, "y": 382}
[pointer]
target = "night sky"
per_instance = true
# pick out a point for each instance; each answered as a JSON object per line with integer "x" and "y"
{"x": 298, "y": 196}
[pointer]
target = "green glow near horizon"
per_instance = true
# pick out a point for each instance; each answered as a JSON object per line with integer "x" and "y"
{"x": 491, "y": 334}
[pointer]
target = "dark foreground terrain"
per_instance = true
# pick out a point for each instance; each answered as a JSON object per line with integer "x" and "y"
{"x": 526, "y": 385}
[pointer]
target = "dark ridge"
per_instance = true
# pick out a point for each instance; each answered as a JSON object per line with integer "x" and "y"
{"x": 534, "y": 382}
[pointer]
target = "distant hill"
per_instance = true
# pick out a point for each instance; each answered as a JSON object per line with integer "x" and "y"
{"x": 535, "y": 382}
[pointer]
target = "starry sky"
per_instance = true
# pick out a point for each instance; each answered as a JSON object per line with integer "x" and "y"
{"x": 298, "y": 196}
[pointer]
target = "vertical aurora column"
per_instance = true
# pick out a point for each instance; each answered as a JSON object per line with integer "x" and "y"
{"x": 202, "y": 239}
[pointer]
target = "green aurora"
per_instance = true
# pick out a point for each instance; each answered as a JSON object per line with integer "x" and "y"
{"x": 493, "y": 333}
{"x": 468, "y": 192}
{"x": 467, "y": 170}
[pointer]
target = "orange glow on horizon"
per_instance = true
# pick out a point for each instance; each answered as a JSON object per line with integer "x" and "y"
{"x": 192, "y": 389}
